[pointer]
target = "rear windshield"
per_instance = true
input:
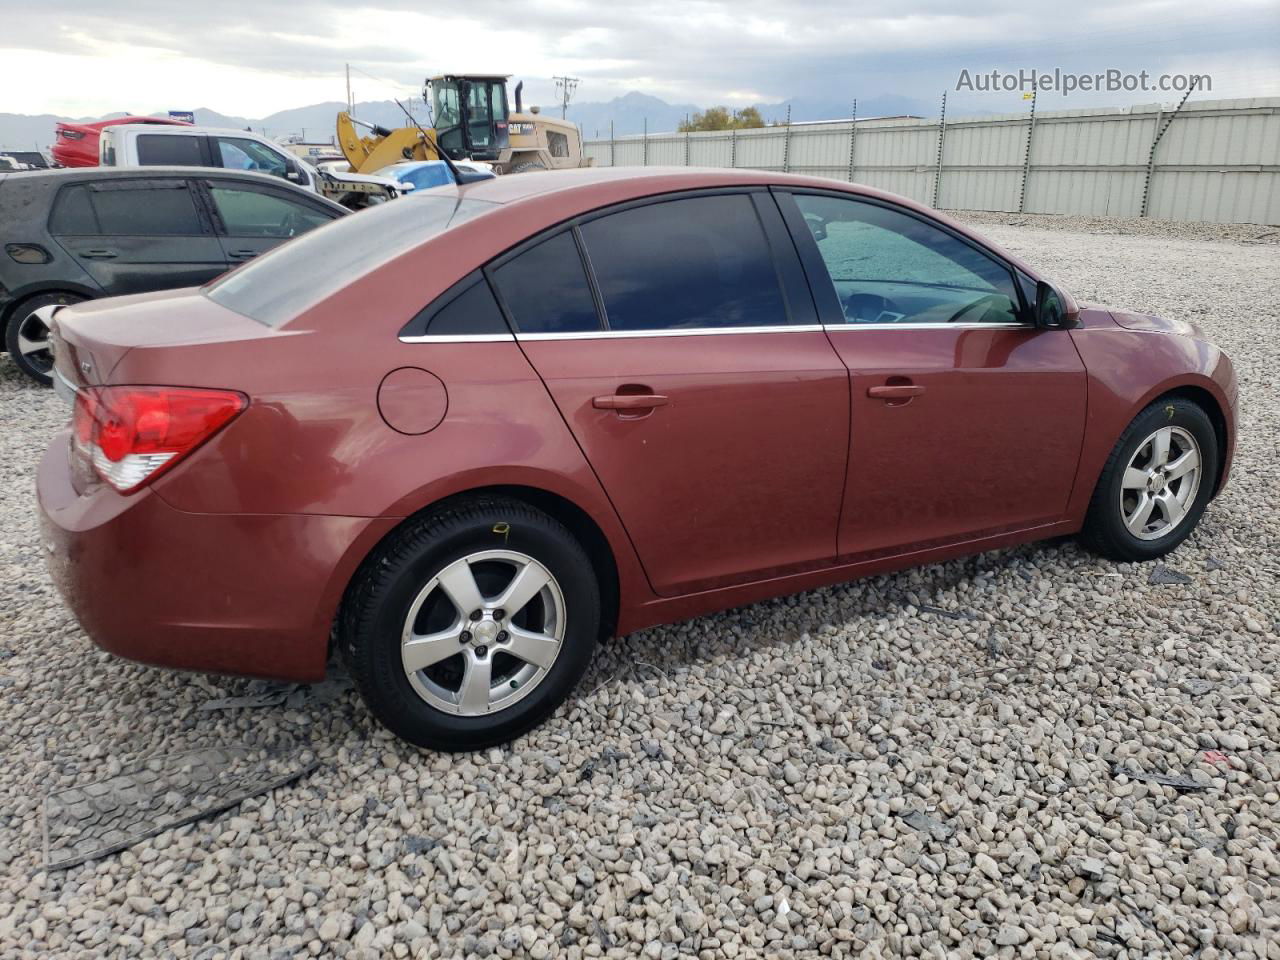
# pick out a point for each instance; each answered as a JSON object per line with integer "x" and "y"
{"x": 297, "y": 275}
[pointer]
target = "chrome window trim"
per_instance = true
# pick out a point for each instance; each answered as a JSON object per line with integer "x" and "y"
{"x": 706, "y": 332}
{"x": 843, "y": 327}
{"x": 672, "y": 332}
{"x": 458, "y": 338}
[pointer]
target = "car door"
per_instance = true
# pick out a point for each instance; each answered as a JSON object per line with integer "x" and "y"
{"x": 966, "y": 419}
{"x": 252, "y": 218}
{"x": 677, "y": 338}
{"x": 136, "y": 234}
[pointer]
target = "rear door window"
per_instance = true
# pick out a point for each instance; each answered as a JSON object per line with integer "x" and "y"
{"x": 146, "y": 208}
{"x": 545, "y": 288}
{"x": 690, "y": 263}
{"x": 170, "y": 150}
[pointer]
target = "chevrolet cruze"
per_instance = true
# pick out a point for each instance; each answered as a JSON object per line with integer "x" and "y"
{"x": 467, "y": 437}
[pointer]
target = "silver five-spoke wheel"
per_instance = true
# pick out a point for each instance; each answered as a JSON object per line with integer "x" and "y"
{"x": 1160, "y": 483}
{"x": 483, "y": 632}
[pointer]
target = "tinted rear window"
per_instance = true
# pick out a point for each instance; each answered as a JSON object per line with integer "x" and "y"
{"x": 546, "y": 290}
{"x": 696, "y": 262}
{"x": 162, "y": 149}
{"x": 277, "y": 286}
{"x": 146, "y": 208}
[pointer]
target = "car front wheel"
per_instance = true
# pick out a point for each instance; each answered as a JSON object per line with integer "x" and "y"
{"x": 472, "y": 624}
{"x": 27, "y": 338}
{"x": 1156, "y": 483}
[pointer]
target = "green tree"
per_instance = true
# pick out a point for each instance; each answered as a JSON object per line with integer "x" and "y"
{"x": 722, "y": 118}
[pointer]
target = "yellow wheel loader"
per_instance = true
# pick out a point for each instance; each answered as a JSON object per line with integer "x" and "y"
{"x": 471, "y": 122}
{"x": 382, "y": 147}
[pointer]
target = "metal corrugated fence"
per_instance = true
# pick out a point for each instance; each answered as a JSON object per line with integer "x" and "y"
{"x": 1217, "y": 160}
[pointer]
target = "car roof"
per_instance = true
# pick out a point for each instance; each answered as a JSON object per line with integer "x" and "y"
{"x": 112, "y": 173}
{"x": 640, "y": 180}
{"x": 39, "y": 180}
{"x": 186, "y": 130}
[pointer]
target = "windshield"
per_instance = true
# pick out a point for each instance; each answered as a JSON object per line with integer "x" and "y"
{"x": 277, "y": 286}
{"x": 423, "y": 176}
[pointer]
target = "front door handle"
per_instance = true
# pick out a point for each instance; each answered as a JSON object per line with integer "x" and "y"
{"x": 98, "y": 254}
{"x": 242, "y": 254}
{"x": 895, "y": 391}
{"x": 630, "y": 401}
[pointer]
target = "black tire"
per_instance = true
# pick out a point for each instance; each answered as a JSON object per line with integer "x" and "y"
{"x": 384, "y": 591}
{"x": 528, "y": 166}
{"x": 1104, "y": 529}
{"x": 21, "y": 330}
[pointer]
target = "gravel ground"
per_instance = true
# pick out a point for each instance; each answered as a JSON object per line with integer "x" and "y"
{"x": 926, "y": 764}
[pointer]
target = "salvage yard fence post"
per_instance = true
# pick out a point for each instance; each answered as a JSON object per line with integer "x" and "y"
{"x": 942, "y": 136}
{"x": 853, "y": 137}
{"x": 1161, "y": 127}
{"x": 1026, "y": 156}
{"x": 786, "y": 143}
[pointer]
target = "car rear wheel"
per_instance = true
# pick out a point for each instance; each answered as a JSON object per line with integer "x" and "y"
{"x": 1156, "y": 483}
{"x": 27, "y": 338}
{"x": 472, "y": 624}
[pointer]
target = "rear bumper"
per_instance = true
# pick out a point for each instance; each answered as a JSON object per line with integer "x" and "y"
{"x": 252, "y": 595}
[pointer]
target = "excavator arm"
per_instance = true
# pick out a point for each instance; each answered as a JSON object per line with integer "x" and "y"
{"x": 383, "y": 147}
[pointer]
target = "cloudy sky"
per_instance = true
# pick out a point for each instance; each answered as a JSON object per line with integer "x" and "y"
{"x": 253, "y": 57}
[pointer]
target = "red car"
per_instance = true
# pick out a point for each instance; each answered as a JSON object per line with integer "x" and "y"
{"x": 470, "y": 435}
{"x": 76, "y": 144}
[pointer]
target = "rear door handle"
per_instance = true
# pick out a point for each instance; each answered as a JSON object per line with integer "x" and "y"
{"x": 98, "y": 254}
{"x": 897, "y": 391}
{"x": 630, "y": 401}
{"x": 242, "y": 254}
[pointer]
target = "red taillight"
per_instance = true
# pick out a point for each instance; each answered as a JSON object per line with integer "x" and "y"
{"x": 132, "y": 434}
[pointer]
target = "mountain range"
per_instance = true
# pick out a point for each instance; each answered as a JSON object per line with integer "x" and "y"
{"x": 629, "y": 114}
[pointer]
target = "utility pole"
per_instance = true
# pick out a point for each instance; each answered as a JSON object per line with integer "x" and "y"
{"x": 565, "y": 88}
{"x": 350, "y": 106}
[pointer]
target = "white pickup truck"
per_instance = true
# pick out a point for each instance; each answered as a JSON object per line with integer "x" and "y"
{"x": 145, "y": 145}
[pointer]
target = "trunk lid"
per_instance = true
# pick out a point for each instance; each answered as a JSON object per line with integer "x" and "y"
{"x": 91, "y": 339}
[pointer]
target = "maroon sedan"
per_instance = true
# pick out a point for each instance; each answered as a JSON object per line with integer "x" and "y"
{"x": 470, "y": 434}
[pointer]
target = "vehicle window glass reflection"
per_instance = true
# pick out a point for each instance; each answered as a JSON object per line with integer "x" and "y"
{"x": 890, "y": 267}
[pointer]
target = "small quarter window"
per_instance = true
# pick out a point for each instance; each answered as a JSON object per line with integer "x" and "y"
{"x": 73, "y": 214}
{"x": 468, "y": 309}
{"x": 545, "y": 288}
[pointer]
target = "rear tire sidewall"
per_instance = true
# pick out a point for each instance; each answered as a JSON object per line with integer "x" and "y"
{"x": 19, "y": 318}
{"x": 376, "y": 641}
{"x": 1106, "y": 526}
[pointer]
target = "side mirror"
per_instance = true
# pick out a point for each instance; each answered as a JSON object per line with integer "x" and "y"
{"x": 1051, "y": 312}
{"x": 293, "y": 174}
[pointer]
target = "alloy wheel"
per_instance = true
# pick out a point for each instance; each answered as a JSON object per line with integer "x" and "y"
{"x": 1160, "y": 483}
{"x": 33, "y": 341}
{"x": 483, "y": 632}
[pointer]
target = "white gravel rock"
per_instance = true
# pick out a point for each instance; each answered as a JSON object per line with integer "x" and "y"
{"x": 924, "y": 764}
